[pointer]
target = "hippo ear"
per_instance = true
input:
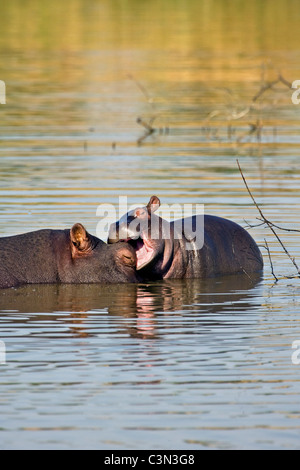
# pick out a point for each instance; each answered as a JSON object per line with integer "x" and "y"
{"x": 81, "y": 240}
{"x": 153, "y": 204}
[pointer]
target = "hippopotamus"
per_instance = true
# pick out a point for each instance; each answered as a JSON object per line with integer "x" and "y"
{"x": 226, "y": 247}
{"x": 64, "y": 256}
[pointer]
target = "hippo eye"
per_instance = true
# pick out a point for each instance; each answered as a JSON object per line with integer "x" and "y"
{"x": 127, "y": 258}
{"x": 140, "y": 213}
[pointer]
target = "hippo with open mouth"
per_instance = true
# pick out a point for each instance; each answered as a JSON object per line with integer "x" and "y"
{"x": 167, "y": 250}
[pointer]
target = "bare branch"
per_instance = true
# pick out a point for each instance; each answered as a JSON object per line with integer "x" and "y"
{"x": 142, "y": 88}
{"x": 270, "y": 85}
{"x": 269, "y": 224}
{"x": 147, "y": 126}
{"x": 253, "y": 226}
{"x": 149, "y": 129}
{"x": 277, "y": 226}
{"x": 272, "y": 269}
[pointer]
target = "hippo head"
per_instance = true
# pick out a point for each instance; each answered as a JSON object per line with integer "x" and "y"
{"x": 95, "y": 261}
{"x": 147, "y": 233}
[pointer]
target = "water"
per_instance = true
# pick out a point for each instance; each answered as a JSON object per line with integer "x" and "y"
{"x": 192, "y": 365}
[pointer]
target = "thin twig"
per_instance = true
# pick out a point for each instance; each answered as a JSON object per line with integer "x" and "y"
{"x": 269, "y": 224}
{"x": 269, "y": 254}
{"x": 142, "y": 88}
{"x": 268, "y": 86}
{"x": 264, "y": 88}
{"x": 284, "y": 81}
{"x": 277, "y": 226}
{"x": 149, "y": 129}
{"x": 253, "y": 226}
{"x": 254, "y": 128}
{"x": 147, "y": 126}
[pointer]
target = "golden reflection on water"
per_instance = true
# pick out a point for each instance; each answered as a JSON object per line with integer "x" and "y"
{"x": 215, "y": 26}
{"x": 69, "y": 64}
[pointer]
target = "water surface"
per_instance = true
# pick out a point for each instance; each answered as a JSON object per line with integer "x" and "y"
{"x": 193, "y": 365}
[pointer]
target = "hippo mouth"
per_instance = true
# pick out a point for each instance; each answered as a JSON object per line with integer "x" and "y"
{"x": 144, "y": 251}
{"x": 144, "y": 247}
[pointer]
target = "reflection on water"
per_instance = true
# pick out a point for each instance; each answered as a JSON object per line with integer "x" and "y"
{"x": 118, "y": 366}
{"x": 139, "y": 303}
{"x": 181, "y": 364}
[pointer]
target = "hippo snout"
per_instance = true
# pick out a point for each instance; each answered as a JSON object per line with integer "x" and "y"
{"x": 121, "y": 232}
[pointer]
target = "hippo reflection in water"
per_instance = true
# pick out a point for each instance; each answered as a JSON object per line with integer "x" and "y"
{"x": 136, "y": 309}
{"x": 64, "y": 256}
{"x": 226, "y": 249}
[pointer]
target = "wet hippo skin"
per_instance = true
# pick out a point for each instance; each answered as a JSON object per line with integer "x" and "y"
{"x": 64, "y": 256}
{"x": 227, "y": 248}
